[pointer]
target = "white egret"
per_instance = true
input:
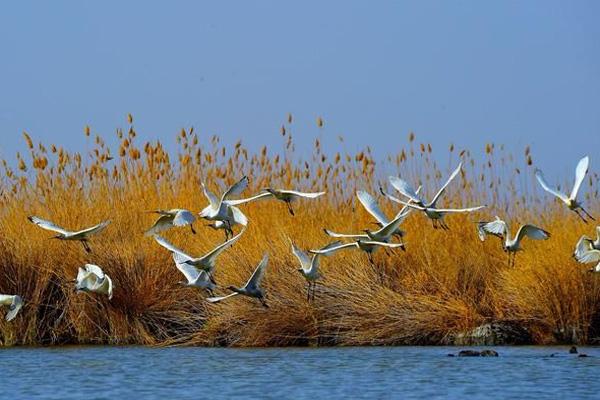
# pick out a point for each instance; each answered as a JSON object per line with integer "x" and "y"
{"x": 225, "y": 215}
{"x": 171, "y": 218}
{"x": 368, "y": 246}
{"x": 205, "y": 263}
{"x": 429, "y": 208}
{"x": 309, "y": 266}
{"x": 91, "y": 278}
{"x": 251, "y": 288}
{"x": 500, "y": 229}
{"x": 81, "y": 236}
{"x": 588, "y": 251}
{"x": 14, "y": 303}
{"x": 571, "y": 200}
{"x": 285, "y": 195}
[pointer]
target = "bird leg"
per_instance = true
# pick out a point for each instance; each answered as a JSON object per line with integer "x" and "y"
{"x": 444, "y": 225}
{"x": 370, "y": 255}
{"x": 588, "y": 214}
{"x": 290, "y": 209}
{"x": 434, "y": 223}
{"x": 192, "y": 228}
{"x": 580, "y": 216}
{"x": 86, "y": 246}
{"x": 264, "y": 302}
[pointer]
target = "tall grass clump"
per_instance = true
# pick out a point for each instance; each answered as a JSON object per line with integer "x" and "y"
{"x": 447, "y": 282}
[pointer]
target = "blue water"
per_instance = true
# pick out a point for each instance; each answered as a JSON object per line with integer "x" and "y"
{"x": 214, "y": 373}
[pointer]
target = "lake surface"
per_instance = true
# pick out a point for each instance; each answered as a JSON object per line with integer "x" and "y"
{"x": 298, "y": 373}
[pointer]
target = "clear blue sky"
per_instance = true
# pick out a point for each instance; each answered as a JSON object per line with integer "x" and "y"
{"x": 468, "y": 72}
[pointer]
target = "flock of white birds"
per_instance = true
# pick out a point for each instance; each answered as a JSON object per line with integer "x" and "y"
{"x": 223, "y": 213}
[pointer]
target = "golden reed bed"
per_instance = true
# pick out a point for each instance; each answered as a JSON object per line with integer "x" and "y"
{"x": 446, "y": 282}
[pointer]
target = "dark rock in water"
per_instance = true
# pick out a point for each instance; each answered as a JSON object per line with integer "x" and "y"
{"x": 494, "y": 334}
{"x": 573, "y": 350}
{"x": 450, "y": 355}
{"x": 489, "y": 353}
{"x": 583, "y": 355}
{"x": 469, "y": 353}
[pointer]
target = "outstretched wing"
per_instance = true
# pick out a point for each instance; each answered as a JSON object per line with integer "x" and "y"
{"x": 210, "y": 257}
{"x": 459, "y": 210}
{"x": 236, "y": 189}
{"x": 172, "y": 248}
{"x": 370, "y": 204}
{"x": 163, "y": 223}
{"x": 94, "y": 229}
{"x": 218, "y": 299}
{"x": 47, "y": 225}
{"x": 305, "y": 260}
{"x": 344, "y": 235}
{"x": 306, "y": 195}
{"x": 403, "y": 187}
{"x": 259, "y": 196}
{"x": 259, "y": 272}
{"x": 238, "y": 216}
{"x": 497, "y": 228}
{"x": 585, "y": 251}
{"x": 94, "y": 269}
{"x": 14, "y": 308}
{"x": 533, "y": 232}
{"x": 540, "y": 177}
{"x": 443, "y": 188}
{"x": 580, "y": 171}
{"x": 189, "y": 271}
{"x": 183, "y": 217}
{"x": 382, "y": 244}
{"x": 212, "y": 198}
{"x": 336, "y": 246}
{"x": 389, "y": 229}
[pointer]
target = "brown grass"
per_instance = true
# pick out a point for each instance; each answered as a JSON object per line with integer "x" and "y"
{"x": 446, "y": 282}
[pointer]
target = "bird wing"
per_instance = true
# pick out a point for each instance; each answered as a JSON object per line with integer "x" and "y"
{"x": 218, "y": 299}
{"x": 305, "y": 260}
{"x": 238, "y": 202}
{"x": 540, "y": 177}
{"x": 307, "y": 195}
{"x": 163, "y": 223}
{"x": 94, "y": 269}
{"x": 236, "y": 189}
{"x": 81, "y": 274}
{"x": 238, "y": 216}
{"x": 257, "y": 275}
{"x": 443, "y": 188}
{"x": 585, "y": 251}
{"x": 370, "y": 204}
{"x": 458, "y": 210}
{"x": 406, "y": 204}
{"x": 497, "y": 228}
{"x": 580, "y": 171}
{"x": 93, "y": 230}
{"x": 334, "y": 248}
{"x": 343, "y": 235}
{"x": 172, "y": 248}
{"x": 47, "y": 225}
{"x": 532, "y": 232}
{"x": 189, "y": 271}
{"x": 14, "y": 308}
{"x": 212, "y": 198}
{"x": 389, "y": 229}
{"x": 403, "y": 187}
{"x": 383, "y": 244}
{"x": 210, "y": 257}
{"x": 183, "y": 217}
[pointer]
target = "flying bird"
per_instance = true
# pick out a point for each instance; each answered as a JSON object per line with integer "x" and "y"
{"x": 191, "y": 267}
{"x": 571, "y": 201}
{"x": 223, "y": 214}
{"x": 62, "y": 234}
{"x": 91, "y": 278}
{"x": 368, "y": 246}
{"x": 285, "y": 195}
{"x": 429, "y": 208}
{"x": 588, "y": 251}
{"x": 251, "y": 288}
{"x": 500, "y": 229}
{"x": 14, "y": 303}
{"x": 170, "y": 218}
{"x": 309, "y": 266}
